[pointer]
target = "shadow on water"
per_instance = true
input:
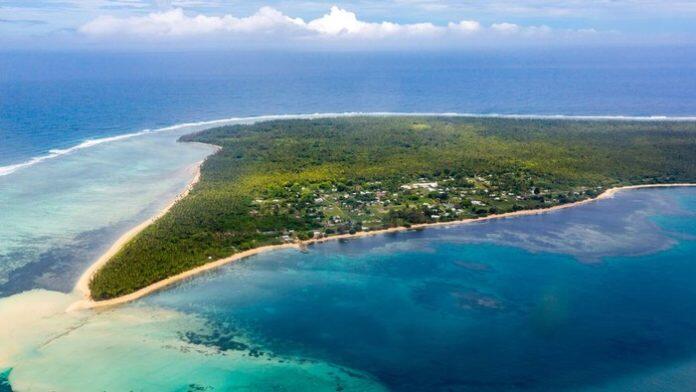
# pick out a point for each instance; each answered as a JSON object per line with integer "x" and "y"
{"x": 58, "y": 268}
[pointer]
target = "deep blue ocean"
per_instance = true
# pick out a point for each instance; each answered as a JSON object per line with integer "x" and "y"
{"x": 600, "y": 297}
{"x": 59, "y": 100}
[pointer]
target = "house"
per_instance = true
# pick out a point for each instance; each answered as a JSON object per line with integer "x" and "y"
{"x": 421, "y": 185}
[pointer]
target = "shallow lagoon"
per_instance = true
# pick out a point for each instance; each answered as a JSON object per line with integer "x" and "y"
{"x": 58, "y": 216}
{"x": 596, "y": 297}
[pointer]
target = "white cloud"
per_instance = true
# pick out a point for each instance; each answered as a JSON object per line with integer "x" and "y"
{"x": 270, "y": 24}
{"x": 176, "y": 23}
{"x": 467, "y": 26}
{"x": 341, "y": 22}
{"x": 506, "y": 28}
{"x": 511, "y": 29}
{"x": 338, "y": 22}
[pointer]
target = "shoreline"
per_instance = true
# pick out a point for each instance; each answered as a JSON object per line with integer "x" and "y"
{"x": 82, "y": 285}
{"x": 10, "y": 168}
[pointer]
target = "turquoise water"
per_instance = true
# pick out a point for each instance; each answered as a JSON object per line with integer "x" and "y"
{"x": 4, "y": 382}
{"x": 549, "y": 302}
{"x": 144, "y": 349}
{"x": 58, "y": 216}
{"x": 598, "y": 297}
{"x": 62, "y": 213}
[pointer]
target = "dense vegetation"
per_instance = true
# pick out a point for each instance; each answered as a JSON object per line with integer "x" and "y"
{"x": 291, "y": 180}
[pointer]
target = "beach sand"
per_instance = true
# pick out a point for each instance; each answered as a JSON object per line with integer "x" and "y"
{"x": 82, "y": 285}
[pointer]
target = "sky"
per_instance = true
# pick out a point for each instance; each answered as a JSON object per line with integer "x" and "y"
{"x": 354, "y": 24}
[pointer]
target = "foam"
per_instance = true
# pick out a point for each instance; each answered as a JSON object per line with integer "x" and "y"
{"x": 55, "y": 153}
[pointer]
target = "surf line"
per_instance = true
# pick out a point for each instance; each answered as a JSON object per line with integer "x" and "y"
{"x": 55, "y": 153}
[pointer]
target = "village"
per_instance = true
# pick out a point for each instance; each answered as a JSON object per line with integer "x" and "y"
{"x": 347, "y": 208}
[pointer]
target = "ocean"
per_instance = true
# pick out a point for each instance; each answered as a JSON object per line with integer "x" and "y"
{"x": 598, "y": 297}
{"x": 55, "y": 101}
{"x": 594, "y": 298}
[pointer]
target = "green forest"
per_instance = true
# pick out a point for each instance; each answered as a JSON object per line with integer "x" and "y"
{"x": 293, "y": 180}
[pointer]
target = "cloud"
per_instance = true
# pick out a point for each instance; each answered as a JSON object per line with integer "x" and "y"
{"x": 505, "y": 28}
{"x": 573, "y": 9}
{"x": 269, "y": 24}
{"x": 538, "y": 31}
{"x": 341, "y": 22}
{"x": 468, "y": 26}
{"x": 176, "y": 23}
{"x": 338, "y": 22}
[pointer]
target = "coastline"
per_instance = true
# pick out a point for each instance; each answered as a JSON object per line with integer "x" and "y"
{"x": 10, "y": 168}
{"x": 82, "y": 285}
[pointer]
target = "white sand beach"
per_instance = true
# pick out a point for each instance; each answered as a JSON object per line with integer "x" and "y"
{"x": 82, "y": 285}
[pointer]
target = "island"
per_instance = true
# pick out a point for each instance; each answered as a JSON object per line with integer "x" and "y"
{"x": 298, "y": 181}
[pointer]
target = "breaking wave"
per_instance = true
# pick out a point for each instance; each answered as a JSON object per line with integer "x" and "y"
{"x": 55, "y": 153}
